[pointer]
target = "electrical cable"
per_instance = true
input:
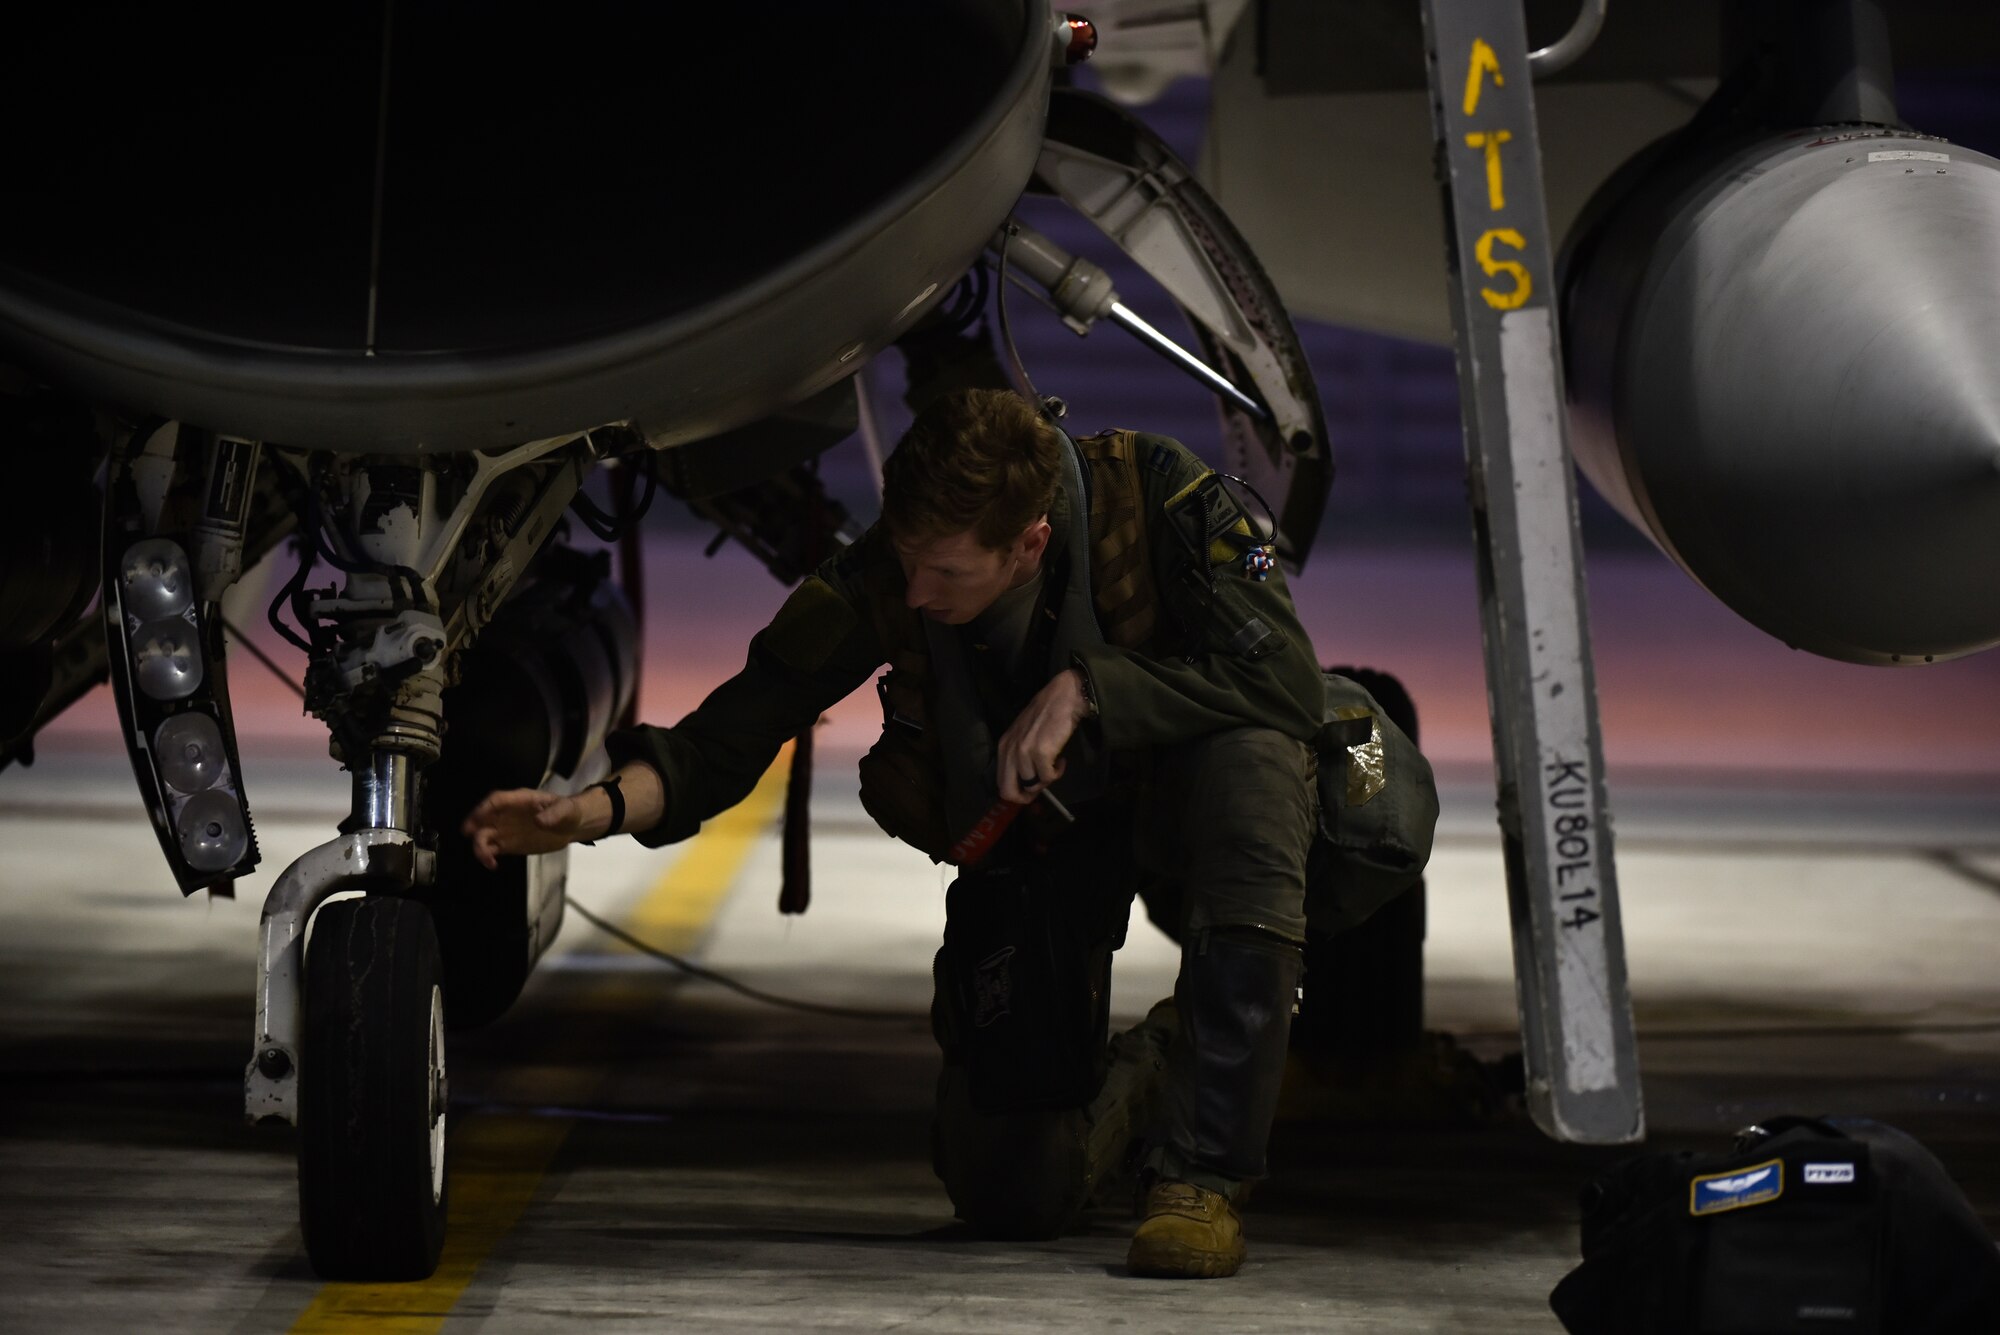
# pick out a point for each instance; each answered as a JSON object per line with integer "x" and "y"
{"x": 609, "y": 528}
{"x": 1021, "y": 380}
{"x": 694, "y": 970}
{"x": 965, "y": 304}
{"x": 316, "y": 523}
{"x": 290, "y": 589}
{"x": 1269, "y": 513}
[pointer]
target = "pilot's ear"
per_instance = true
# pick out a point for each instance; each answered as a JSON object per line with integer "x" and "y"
{"x": 1035, "y": 539}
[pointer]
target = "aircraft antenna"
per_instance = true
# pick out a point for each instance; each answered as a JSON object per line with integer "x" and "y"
{"x": 381, "y": 178}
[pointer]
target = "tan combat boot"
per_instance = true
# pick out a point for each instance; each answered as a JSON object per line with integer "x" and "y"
{"x": 1189, "y": 1232}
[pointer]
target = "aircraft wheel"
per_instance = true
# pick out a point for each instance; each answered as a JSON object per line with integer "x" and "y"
{"x": 372, "y": 1092}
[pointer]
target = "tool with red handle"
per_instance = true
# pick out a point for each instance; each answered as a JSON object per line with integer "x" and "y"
{"x": 979, "y": 840}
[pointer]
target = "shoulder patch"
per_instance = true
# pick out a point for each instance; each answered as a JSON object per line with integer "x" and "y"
{"x": 1162, "y": 460}
{"x": 809, "y": 626}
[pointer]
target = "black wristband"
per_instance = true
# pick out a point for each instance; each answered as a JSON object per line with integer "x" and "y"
{"x": 610, "y": 787}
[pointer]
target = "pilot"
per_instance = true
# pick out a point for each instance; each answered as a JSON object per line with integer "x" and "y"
{"x": 1090, "y": 633}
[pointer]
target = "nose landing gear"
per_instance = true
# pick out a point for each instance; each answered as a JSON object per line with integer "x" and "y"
{"x": 351, "y": 1024}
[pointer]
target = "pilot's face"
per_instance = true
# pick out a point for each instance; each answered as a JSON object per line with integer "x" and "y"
{"x": 954, "y": 579}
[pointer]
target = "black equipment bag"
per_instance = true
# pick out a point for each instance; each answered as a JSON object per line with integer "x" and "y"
{"x": 1842, "y": 1226}
{"x": 1027, "y": 978}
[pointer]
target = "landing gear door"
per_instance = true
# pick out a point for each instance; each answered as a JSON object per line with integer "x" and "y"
{"x": 1117, "y": 173}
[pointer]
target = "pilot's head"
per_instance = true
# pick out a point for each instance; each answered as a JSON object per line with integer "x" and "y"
{"x": 965, "y": 500}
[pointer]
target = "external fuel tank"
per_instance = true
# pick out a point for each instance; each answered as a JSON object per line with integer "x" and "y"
{"x": 1783, "y": 363}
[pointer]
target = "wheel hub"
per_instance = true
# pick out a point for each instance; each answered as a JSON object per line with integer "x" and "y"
{"x": 439, "y": 1093}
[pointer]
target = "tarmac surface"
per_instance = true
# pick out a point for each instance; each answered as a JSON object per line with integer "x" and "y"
{"x": 634, "y": 1152}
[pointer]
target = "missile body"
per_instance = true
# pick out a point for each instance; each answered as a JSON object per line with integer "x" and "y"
{"x": 1784, "y": 365}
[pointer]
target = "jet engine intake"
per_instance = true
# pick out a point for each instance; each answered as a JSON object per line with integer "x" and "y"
{"x": 460, "y": 231}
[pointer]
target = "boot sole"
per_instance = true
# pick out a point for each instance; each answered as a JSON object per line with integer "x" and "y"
{"x": 1174, "y": 1260}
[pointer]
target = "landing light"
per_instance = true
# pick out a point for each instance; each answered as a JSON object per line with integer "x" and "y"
{"x": 166, "y": 659}
{"x": 211, "y": 831}
{"x": 156, "y": 589}
{"x": 157, "y": 581}
{"x": 190, "y": 753}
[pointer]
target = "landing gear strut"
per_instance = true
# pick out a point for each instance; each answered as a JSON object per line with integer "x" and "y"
{"x": 351, "y": 1029}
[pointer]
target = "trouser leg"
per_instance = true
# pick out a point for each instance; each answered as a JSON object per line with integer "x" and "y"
{"x": 1031, "y": 1173}
{"x": 1028, "y": 1121}
{"x": 1241, "y": 808}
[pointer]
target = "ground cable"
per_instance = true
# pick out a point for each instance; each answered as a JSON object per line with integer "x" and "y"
{"x": 694, "y": 970}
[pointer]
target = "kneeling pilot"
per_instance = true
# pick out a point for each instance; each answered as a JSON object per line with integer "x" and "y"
{"x": 1093, "y": 619}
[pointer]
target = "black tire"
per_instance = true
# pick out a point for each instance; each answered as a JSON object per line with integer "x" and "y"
{"x": 481, "y": 918}
{"x": 371, "y": 1093}
{"x": 498, "y": 737}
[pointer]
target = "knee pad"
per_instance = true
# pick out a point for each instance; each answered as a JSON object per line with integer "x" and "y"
{"x": 1237, "y": 988}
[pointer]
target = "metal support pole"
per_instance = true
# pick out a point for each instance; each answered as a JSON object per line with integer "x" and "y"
{"x": 1569, "y": 954}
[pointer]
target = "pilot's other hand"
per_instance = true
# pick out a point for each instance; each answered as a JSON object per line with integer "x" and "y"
{"x": 1031, "y": 750}
{"x": 522, "y": 820}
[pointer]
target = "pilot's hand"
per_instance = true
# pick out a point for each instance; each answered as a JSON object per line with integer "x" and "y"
{"x": 1031, "y": 750}
{"x": 522, "y": 820}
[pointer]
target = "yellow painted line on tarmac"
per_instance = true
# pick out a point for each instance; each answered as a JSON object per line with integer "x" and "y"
{"x": 497, "y": 1162}
{"x": 683, "y": 903}
{"x": 496, "y": 1167}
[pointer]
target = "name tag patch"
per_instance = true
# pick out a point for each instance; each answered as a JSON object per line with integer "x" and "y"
{"x": 1828, "y": 1174}
{"x": 1714, "y": 1193}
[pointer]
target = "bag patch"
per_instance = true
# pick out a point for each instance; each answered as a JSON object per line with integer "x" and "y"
{"x": 1738, "y": 1189}
{"x": 993, "y": 988}
{"x": 1828, "y": 1174}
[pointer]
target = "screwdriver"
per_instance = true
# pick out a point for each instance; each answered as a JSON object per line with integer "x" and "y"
{"x": 979, "y": 840}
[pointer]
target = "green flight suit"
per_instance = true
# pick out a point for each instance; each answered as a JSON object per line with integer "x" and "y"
{"x": 1210, "y": 820}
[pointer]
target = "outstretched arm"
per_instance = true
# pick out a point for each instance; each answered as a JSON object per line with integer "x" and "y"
{"x": 816, "y": 650}
{"x": 527, "y": 820}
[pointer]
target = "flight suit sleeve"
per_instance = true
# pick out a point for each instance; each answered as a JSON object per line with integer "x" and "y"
{"x": 1231, "y": 652}
{"x": 817, "y": 650}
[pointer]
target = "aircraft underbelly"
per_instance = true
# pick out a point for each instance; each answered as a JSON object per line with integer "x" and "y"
{"x": 1334, "y": 191}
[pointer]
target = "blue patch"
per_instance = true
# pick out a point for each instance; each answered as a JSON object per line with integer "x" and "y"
{"x": 1162, "y": 461}
{"x": 1714, "y": 1193}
